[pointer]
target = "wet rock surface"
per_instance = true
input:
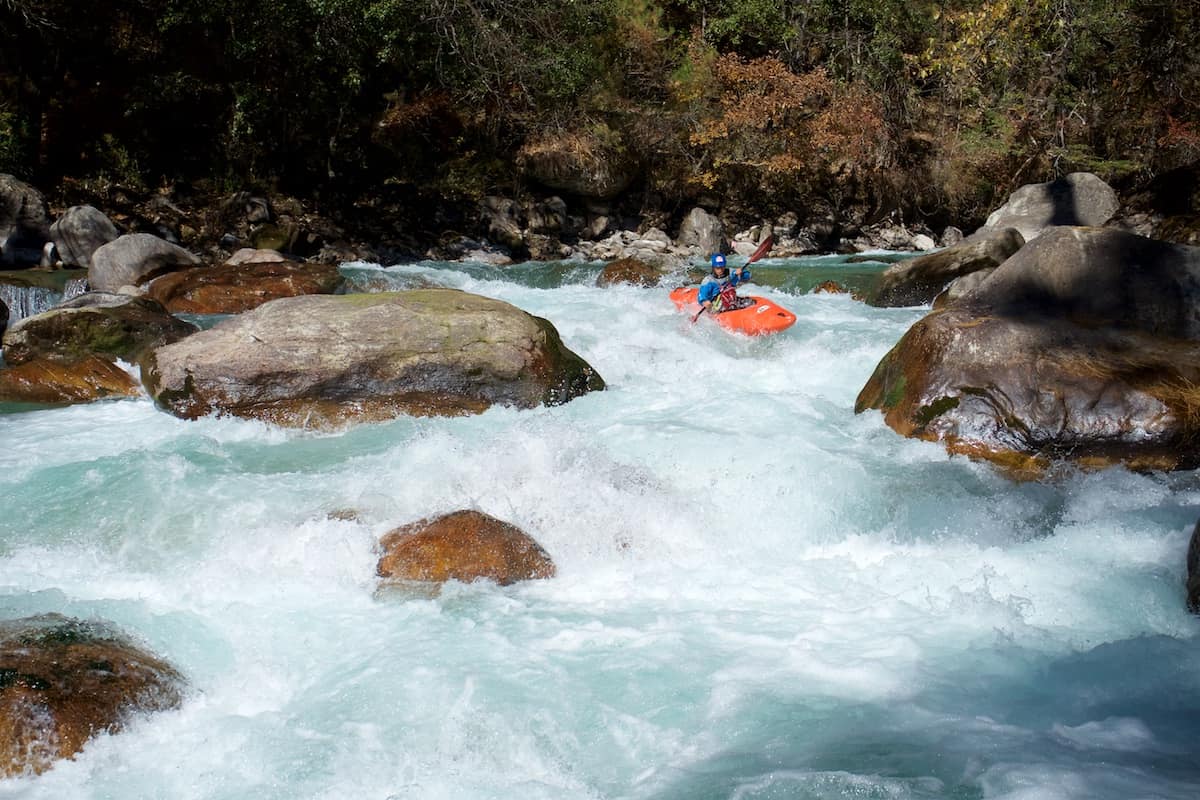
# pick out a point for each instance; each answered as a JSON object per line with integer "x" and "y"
{"x": 463, "y": 546}
{"x": 63, "y": 681}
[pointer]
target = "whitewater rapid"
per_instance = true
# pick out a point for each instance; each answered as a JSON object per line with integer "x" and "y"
{"x": 759, "y": 595}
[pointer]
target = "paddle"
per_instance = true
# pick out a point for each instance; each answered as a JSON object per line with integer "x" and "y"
{"x": 759, "y": 252}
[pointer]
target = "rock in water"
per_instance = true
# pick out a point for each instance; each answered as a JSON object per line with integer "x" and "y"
{"x": 917, "y": 281}
{"x": 463, "y": 546}
{"x": 63, "y": 681}
{"x": 320, "y": 360}
{"x": 1085, "y": 345}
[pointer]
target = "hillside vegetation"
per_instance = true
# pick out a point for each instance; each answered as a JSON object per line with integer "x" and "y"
{"x": 933, "y": 111}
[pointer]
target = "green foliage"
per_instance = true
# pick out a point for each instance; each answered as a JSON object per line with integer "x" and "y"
{"x": 333, "y": 94}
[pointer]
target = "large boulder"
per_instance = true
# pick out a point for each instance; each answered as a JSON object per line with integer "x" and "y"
{"x": 133, "y": 259}
{"x": 63, "y": 681}
{"x": 1085, "y": 345}
{"x": 702, "y": 231}
{"x": 917, "y": 281}
{"x": 463, "y": 546}
{"x": 1079, "y": 199}
{"x": 80, "y": 232}
{"x": 24, "y": 222}
{"x": 49, "y": 381}
{"x": 324, "y": 359}
{"x": 233, "y": 289}
{"x": 95, "y": 323}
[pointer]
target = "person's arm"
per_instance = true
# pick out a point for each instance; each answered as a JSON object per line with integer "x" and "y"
{"x": 708, "y": 290}
{"x": 741, "y": 276}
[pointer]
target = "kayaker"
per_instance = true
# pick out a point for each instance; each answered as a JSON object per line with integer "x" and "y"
{"x": 717, "y": 292}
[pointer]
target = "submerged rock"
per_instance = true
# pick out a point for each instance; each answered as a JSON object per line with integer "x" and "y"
{"x": 62, "y": 681}
{"x": 463, "y": 546}
{"x": 1085, "y": 345}
{"x": 320, "y": 360}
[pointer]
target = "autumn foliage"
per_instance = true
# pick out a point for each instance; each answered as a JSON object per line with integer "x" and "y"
{"x": 773, "y": 128}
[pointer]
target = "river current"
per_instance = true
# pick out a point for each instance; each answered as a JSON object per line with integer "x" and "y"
{"x": 760, "y": 595}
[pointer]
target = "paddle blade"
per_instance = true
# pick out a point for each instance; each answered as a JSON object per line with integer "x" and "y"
{"x": 762, "y": 249}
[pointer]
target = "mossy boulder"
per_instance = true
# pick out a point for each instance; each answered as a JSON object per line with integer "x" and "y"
{"x": 322, "y": 360}
{"x": 1084, "y": 346}
{"x": 63, "y": 681}
{"x": 463, "y": 546}
{"x": 95, "y": 323}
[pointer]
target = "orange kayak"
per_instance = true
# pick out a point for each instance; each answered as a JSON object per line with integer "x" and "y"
{"x": 760, "y": 319}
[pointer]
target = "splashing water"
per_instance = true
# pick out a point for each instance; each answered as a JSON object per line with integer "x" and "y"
{"x": 759, "y": 593}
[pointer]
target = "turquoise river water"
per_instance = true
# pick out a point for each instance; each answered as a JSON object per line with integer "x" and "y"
{"x": 760, "y": 595}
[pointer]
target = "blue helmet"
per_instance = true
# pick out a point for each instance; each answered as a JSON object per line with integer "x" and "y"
{"x": 718, "y": 260}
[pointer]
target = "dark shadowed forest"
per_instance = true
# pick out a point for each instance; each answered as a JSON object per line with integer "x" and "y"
{"x": 412, "y": 110}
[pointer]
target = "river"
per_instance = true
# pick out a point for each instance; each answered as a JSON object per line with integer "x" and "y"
{"x": 760, "y": 595}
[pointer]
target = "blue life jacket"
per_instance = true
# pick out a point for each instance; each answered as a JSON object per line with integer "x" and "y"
{"x": 711, "y": 286}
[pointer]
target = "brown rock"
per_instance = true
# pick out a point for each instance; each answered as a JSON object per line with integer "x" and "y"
{"x": 53, "y": 382}
{"x": 62, "y": 681}
{"x": 463, "y": 546}
{"x": 629, "y": 270}
{"x": 232, "y": 289}
{"x": 1009, "y": 389}
{"x": 830, "y": 287}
